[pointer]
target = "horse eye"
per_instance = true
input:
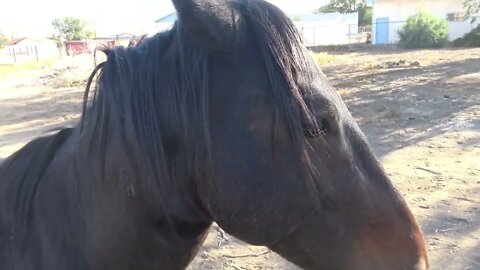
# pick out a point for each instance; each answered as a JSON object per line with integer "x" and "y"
{"x": 321, "y": 129}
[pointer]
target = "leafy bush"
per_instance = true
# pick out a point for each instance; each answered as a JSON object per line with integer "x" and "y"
{"x": 471, "y": 39}
{"x": 3, "y": 40}
{"x": 423, "y": 31}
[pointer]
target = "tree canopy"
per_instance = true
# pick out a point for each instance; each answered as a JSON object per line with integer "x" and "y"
{"x": 471, "y": 7}
{"x": 343, "y": 6}
{"x": 349, "y": 6}
{"x": 71, "y": 28}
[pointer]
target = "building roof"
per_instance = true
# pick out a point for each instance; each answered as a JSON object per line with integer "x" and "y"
{"x": 15, "y": 41}
{"x": 172, "y": 17}
{"x": 123, "y": 36}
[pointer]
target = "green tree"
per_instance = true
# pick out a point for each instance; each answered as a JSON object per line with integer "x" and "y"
{"x": 70, "y": 28}
{"x": 365, "y": 16}
{"x": 471, "y": 7}
{"x": 343, "y": 6}
{"x": 90, "y": 34}
{"x": 423, "y": 31}
{"x": 3, "y": 40}
{"x": 349, "y": 6}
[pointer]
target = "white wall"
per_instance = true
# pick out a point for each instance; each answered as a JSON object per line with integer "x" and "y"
{"x": 399, "y": 10}
{"x": 47, "y": 48}
{"x": 459, "y": 28}
{"x": 26, "y": 46}
{"x": 315, "y": 34}
{"x": 328, "y": 28}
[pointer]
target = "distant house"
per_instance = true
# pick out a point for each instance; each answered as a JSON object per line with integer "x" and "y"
{"x": 30, "y": 46}
{"x": 123, "y": 39}
{"x": 389, "y": 16}
{"x": 166, "y": 22}
{"x": 123, "y": 36}
{"x": 327, "y": 28}
{"x": 317, "y": 29}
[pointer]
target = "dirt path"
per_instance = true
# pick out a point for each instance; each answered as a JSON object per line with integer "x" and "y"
{"x": 420, "y": 111}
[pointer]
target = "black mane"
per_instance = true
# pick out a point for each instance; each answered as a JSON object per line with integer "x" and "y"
{"x": 129, "y": 89}
{"x": 134, "y": 100}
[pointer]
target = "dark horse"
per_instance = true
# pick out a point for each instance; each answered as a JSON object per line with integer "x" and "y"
{"x": 224, "y": 118}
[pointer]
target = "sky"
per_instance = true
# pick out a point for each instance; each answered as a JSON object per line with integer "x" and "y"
{"x": 33, "y": 18}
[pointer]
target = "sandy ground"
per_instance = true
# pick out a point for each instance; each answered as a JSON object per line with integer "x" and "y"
{"x": 419, "y": 109}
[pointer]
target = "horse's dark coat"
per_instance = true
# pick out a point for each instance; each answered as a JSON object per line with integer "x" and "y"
{"x": 224, "y": 118}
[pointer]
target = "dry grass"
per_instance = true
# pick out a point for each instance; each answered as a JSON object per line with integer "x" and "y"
{"x": 10, "y": 71}
{"x": 67, "y": 81}
{"x": 368, "y": 66}
{"x": 344, "y": 92}
{"x": 325, "y": 58}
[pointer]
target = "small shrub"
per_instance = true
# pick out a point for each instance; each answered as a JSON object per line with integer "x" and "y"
{"x": 471, "y": 39}
{"x": 423, "y": 31}
{"x": 3, "y": 41}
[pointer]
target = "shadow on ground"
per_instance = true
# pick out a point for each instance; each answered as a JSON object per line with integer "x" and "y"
{"x": 400, "y": 107}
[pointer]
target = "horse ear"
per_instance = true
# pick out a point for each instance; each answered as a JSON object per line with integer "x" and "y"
{"x": 211, "y": 22}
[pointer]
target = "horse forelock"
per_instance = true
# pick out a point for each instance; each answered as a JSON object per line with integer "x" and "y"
{"x": 129, "y": 86}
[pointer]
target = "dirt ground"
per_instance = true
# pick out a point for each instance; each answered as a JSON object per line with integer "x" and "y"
{"x": 419, "y": 109}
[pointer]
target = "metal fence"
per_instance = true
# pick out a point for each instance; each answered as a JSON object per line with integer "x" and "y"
{"x": 338, "y": 34}
{"x": 382, "y": 32}
{"x": 21, "y": 54}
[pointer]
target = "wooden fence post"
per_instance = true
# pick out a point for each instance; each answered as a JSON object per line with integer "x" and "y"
{"x": 36, "y": 52}
{"x": 14, "y": 55}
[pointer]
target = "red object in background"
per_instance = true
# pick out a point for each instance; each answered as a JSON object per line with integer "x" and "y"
{"x": 369, "y": 38}
{"x": 75, "y": 47}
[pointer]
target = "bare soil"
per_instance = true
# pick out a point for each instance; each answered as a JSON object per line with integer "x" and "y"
{"x": 419, "y": 109}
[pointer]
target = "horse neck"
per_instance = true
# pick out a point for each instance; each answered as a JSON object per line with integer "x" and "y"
{"x": 117, "y": 159}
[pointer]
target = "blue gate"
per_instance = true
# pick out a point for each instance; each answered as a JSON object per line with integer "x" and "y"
{"x": 381, "y": 32}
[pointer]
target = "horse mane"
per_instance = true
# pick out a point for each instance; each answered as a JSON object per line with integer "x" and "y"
{"x": 131, "y": 101}
{"x": 128, "y": 87}
{"x": 131, "y": 96}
